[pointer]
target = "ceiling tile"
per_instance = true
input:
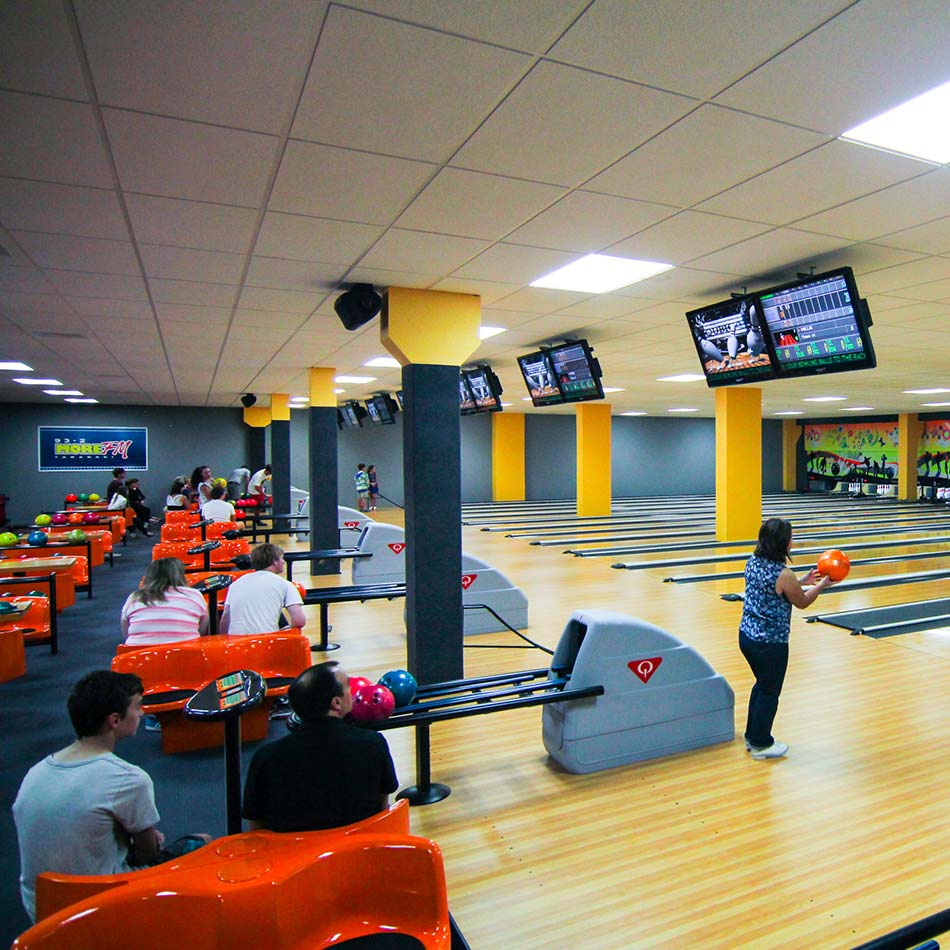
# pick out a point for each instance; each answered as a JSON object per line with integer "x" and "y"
{"x": 331, "y": 183}
{"x": 51, "y": 139}
{"x": 303, "y": 238}
{"x": 93, "y": 307}
{"x": 192, "y": 292}
{"x": 178, "y": 263}
{"x": 26, "y": 280}
{"x": 905, "y": 276}
{"x": 487, "y": 290}
{"x": 61, "y": 209}
{"x": 27, "y": 302}
{"x": 70, "y": 252}
{"x": 197, "y": 224}
{"x": 436, "y": 254}
{"x": 234, "y": 63}
{"x": 781, "y": 249}
{"x": 474, "y": 205}
{"x": 514, "y": 263}
{"x": 378, "y": 104}
{"x": 294, "y": 275}
{"x": 933, "y": 237}
{"x": 546, "y": 131}
{"x": 671, "y": 44}
{"x": 276, "y": 301}
{"x": 196, "y": 316}
{"x": 284, "y": 318}
{"x": 179, "y": 159}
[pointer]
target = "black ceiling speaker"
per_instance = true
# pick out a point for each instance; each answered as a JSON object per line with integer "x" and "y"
{"x": 248, "y": 400}
{"x": 357, "y": 306}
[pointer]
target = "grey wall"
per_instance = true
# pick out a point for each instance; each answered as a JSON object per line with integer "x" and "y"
{"x": 179, "y": 438}
{"x": 476, "y": 458}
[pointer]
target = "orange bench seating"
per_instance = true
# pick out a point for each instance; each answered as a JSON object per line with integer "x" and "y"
{"x": 12, "y": 654}
{"x": 65, "y": 578}
{"x": 182, "y": 517}
{"x": 183, "y": 531}
{"x": 102, "y": 534}
{"x": 195, "y": 562}
{"x": 185, "y": 667}
{"x": 34, "y": 623}
{"x": 312, "y": 890}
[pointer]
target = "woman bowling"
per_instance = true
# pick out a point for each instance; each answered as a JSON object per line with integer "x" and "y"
{"x": 771, "y": 590}
{"x": 164, "y": 609}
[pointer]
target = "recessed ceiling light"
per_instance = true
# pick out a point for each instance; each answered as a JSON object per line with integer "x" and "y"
{"x": 17, "y": 367}
{"x": 935, "y": 403}
{"x": 825, "y": 399}
{"x": 38, "y": 382}
{"x": 681, "y": 378}
{"x": 389, "y": 361}
{"x": 790, "y": 412}
{"x": 62, "y": 392}
{"x": 683, "y": 409}
{"x": 80, "y": 400}
{"x": 526, "y": 399}
{"x": 355, "y": 380}
{"x": 508, "y": 404}
{"x": 633, "y": 413}
{"x": 300, "y": 399}
{"x": 485, "y": 332}
{"x": 614, "y": 389}
{"x": 925, "y": 392}
{"x": 338, "y": 391}
{"x": 599, "y": 274}
{"x": 858, "y": 409}
{"x": 918, "y": 127}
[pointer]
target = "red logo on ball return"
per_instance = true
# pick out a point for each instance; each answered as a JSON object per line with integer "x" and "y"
{"x": 351, "y": 524}
{"x": 468, "y": 580}
{"x": 644, "y": 669}
{"x": 398, "y": 547}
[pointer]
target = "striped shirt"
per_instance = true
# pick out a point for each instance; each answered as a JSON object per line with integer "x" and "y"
{"x": 166, "y": 621}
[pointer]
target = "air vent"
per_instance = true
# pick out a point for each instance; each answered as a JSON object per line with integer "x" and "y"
{"x": 58, "y": 335}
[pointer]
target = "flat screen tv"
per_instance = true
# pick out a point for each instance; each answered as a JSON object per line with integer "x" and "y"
{"x": 385, "y": 407}
{"x": 576, "y": 371}
{"x": 466, "y": 399}
{"x": 484, "y": 387}
{"x": 818, "y": 325}
{"x": 352, "y": 414}
{"x": 399, "y": 400}
{"x": 373, "y": 412}
{"x": 539, "y": 378}
{"x": 731, "y": 344}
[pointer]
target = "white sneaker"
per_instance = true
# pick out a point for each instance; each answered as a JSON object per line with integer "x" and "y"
{"x": 775, "y": 751}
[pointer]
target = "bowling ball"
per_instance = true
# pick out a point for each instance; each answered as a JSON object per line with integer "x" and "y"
{"x": 5, "y": 607}
{"x": 90, "y": 517}
{"x": 37, "y": 538}
{"x": 250, "y": 503}
{"x": 358, "y": 682}
{"x": 76, "y": 535}
{"x": 71, "y": 497}
{"x": 43, "y": 520}
{"x": 372, "y": 703}
{"x": 402, "y": 684}
{"x": 74, "y": 517}
{"x": 82, "y": 496}
{"x": 93, "y": 497}
{"x": 219, "y": 482}
{"x": 834, "y": 564}
{"x": 59, "y": 518}
{"x": 240, "y": 503}
{"x": 35, "y": 593}
{"x": 7, "y": 539}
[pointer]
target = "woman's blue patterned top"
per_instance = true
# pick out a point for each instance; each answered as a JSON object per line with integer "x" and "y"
{"x": 766, "y": 616}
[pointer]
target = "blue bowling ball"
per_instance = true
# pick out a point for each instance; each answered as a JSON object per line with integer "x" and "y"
{"x": 37, "y": 538}
{"x": 402, "y": 684}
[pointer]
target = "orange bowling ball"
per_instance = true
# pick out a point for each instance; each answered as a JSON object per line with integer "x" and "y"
{"x": 834, "y": 564}
{"x": 74, "y": 518}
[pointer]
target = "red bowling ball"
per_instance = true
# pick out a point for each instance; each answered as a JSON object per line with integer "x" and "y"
{"x": 372, "y": 703}
{"x": 71, "y": 497}
{"x": 358, "y": 682}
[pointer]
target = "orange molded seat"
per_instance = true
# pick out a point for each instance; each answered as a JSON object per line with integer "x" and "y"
{"x": 12, "y": 654}
{"x": 215, "y": 530}
{"x": 171, "y": 673}
{"x": 180, "y": 531}
{"x": 181, "y": 517}
{"x": 33, "y": 623}
{"x": 229, "y": 550}
{"x": 310, "y": 890}
{"x": 178, "y": 549}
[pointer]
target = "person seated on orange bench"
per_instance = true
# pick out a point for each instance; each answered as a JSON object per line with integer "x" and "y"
{"x": 217, "y": 509}
{"x": 164, "y": 609}
{"x": 327, "y": 773}
{"x": 83, "y": 810}
{"x": 256, "y": 601}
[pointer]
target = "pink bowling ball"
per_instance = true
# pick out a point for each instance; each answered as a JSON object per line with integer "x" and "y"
{"x": 90, "y": 517}
{"x": 59, "y": 518}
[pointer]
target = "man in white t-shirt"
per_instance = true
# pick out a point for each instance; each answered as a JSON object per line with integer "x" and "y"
{"x": 217, "y": 509}
{"x": 255, "y": 601}
{"x": 259, "y": 483}
{"x": 83, "y": 810}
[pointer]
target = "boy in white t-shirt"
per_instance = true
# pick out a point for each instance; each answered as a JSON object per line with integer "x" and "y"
{"x": 255, "y": 601}
{"x": 217, "y": 509}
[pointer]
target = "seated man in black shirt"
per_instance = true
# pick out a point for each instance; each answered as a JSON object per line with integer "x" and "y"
{"x": 327, "y": 773}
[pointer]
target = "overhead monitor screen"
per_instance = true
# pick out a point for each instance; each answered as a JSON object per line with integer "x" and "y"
{"x": 466, "y": 400}
{"x": 576, "y": 371}
{"x": 730, "y": 342}
{"x": 539, "y": 378}
{"x": 480, "y": 383}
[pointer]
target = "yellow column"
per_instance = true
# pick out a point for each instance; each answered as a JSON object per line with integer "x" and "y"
{"x": 908, "y": 439}
{"x": 430, "y": 326}
{"x": 322, "y": 386}
{"x": 738, "y": 463}
{"x": 258, "y": 417}
{"x": 280, "y": 407}
{"x": 507, "y": 456}
{"x": 791, "y": 433}
{"x": 593, "y": 459}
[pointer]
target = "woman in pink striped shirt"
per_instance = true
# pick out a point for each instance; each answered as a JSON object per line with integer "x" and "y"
{"x": 164, "y": 609}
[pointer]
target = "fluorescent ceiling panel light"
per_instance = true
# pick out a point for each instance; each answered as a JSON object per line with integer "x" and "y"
{"x": 62, "y": 392}
{"x": 918, "y": 128}
{"x": 683, "y": 409}
{"x": 389, "y": 361}
{"x": 633, "y": 413}
{"x": 925, "y": 392}
{"x": 338, "y": 391}
{"x": 935, "y": 403}
{"x": 599, "y": 274}
{"x": 355, "y": 380}
{"x": 508, "y": 404}
{"x": 526, "y": 399}
{"x": 858, "y": 409}
{"x": 825, "y": 399}
{"x": 681, "y": 378}
{"x": 790, "y": 412}
{"x": 485, "y": 332}
{"x": 80, "y": 400}
{"x": 38, "y": 382}
{"x": 614, "y": 389}
{"x": 17, "y": 367}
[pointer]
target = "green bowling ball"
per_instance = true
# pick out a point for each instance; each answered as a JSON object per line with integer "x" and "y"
{"x": 8, "y": 539}
{"x": 82, "y": 496}
{"x": 76, "y": 535}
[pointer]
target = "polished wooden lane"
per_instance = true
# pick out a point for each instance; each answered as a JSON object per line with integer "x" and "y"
{"x": 846, "y": 838}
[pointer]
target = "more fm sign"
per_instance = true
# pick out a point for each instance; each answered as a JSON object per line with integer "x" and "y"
{"x": 92, "y": 448}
